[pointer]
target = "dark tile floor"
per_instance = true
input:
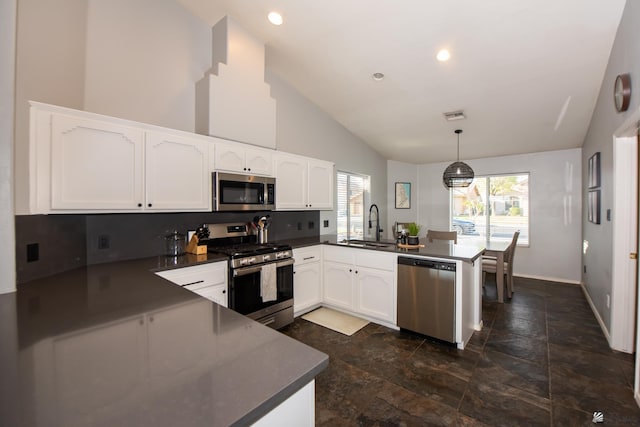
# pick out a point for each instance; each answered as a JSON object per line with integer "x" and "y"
{"x": 541, "y": 360}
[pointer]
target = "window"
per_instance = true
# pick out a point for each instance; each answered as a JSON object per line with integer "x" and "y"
{"x": 492, "y": 207}
{"x": 352, "y": 190}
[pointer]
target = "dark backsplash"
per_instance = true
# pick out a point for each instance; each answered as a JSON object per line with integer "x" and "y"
{"x": 63, "y": 242}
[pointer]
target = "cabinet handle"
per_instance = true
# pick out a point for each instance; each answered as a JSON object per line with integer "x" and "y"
{"x": 244, "y": 169}
{"x": 224, "y": 292}
{"x": 149, "y": 205}
{"x": 139, "y": 205}
{"x": 194, "y": 283}
{"x": 356, "y": 271}
{"x": 249, "y": 169}
{"x": 309, "y": 257}
{"x": 350, "y": 270}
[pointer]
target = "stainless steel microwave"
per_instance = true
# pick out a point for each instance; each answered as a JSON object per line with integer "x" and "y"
{"x": 235, "y": 192}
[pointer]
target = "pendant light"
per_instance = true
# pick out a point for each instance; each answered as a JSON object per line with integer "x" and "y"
{"x": 457, "y": 174}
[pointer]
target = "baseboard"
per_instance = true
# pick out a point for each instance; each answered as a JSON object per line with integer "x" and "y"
{"x": 595, "y": 313}
{"x": 548, "y": 279}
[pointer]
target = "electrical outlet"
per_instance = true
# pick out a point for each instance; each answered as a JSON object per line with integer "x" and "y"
{"x": 311, "y": 225}
{"x": 33, "y": 252}
{"x": 584, "y": 268}
{"x": 326, "y": 223}
{"x": 103, "y": 242}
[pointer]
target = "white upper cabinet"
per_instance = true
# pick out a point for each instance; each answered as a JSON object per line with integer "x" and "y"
{"x": 177, "y": 173}
{"x": 242, "y": 158}
{"x": 95, "y": 165}
{"x": 85, "y": 162}
{"x": 303, "y": 183}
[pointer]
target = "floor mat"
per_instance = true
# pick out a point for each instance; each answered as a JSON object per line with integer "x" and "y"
{"x": 335, "y": 320}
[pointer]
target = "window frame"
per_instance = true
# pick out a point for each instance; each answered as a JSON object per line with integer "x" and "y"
{"x": 487, "y": 195}
{"x": 365, "y": 201}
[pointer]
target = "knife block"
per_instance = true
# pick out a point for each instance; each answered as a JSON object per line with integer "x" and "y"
{"x": 194, "y": 248}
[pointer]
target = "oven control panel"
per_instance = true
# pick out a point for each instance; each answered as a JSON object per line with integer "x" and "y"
{"x": 261, "y": 259}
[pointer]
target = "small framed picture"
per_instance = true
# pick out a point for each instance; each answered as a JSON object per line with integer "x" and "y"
{"x": 594, "y": 171}
{"x": 403, "y": 195}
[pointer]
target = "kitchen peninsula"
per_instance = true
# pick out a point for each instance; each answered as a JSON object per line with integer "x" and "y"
{"x": 360, "y": 277}
{"x": 114, "y": 344}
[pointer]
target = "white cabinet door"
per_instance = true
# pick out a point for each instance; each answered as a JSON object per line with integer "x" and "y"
{"x": 291, "y": 178}
{"x": 320, "y": 187}
{"x": 229, "y": 157}
{"x": 95, "y": 165}
{"x": 376, "y": 294}
{"x": 177, "y": 173}
{"x": 259, "y": 161}
{"x": 307, "y": 279}
{"x": 338, "y": 284}
{"x": 306, "y": 286}
{"x": 217, "y": 294}
{"x": 241, "y": 158}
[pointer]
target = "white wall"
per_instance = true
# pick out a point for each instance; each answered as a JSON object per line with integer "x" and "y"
{"x": 303, "y": 128}
{"x": 7, "y": 233}
{"x": 143, "y": 59}
{"x": 401, "y": 172}
{"x": 624, "y": 58}
{"x": 554, "y": 252}
{"x": 50, "y": 57}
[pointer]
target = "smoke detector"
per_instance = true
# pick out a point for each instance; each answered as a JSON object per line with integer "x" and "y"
{"x": 454, "y": 115}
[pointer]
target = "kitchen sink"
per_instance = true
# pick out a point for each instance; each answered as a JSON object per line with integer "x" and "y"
{"x": 368, "y": 243}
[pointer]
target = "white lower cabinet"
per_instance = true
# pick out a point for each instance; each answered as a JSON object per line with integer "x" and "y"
{"x": 298, "y": 410}
{"x": 307, "y": 279}
{"x": 361, "y": 281}
{"x": 207, "y": 280}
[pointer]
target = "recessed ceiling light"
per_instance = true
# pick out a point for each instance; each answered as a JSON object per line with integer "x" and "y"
{"x": 275, "y": 18}
{"x": 443, "y": 55}
{"x": 377, "y": 76}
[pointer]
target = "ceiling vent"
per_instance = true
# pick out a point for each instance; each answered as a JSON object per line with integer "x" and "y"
{"x": 455, "y": 115}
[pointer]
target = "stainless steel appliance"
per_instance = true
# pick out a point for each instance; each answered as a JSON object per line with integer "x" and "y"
{"x": 427, "y": 297}
{"x": 235, "y": 192}
{"x": 260, "y": 275}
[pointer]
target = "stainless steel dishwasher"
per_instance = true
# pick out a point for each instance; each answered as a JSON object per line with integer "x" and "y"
{"x": 427, "y": 297}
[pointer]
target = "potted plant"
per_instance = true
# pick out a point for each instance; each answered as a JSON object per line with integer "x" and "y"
{"x": 413, "y": 229}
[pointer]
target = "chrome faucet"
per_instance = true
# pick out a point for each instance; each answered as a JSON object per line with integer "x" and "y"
{"x": 378, "y": 229}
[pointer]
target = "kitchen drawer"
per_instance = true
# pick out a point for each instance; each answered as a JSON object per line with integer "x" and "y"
{"x": 377, "y": 260}
{"x": 307, "y": 255}
{"x": 198, "y": 275}
{"x": 339, "y": 254}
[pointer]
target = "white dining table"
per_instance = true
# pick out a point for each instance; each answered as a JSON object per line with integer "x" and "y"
{"x": 498, "y": 249}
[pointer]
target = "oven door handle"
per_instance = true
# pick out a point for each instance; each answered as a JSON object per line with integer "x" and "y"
{"x": 246, "y": 270}
{"x": 250, "y": 270}
{"x": 289, "y": 261}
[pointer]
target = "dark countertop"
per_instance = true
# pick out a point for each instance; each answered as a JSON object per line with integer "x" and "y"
{"x": 467, "y": 251}
{"x": 114, "y": 344}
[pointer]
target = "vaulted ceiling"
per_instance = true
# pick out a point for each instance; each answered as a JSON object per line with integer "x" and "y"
{"x": 526, "y": 73}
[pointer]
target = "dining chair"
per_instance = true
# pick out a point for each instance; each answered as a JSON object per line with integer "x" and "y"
{"x": 489, "y": 264}
{"x": 442, "y": 235}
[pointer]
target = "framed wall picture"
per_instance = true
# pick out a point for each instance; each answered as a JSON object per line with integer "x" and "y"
{"x": 593, "y": 214}
{"x": 403, "y": 195}
{"x": 594, "y": 171}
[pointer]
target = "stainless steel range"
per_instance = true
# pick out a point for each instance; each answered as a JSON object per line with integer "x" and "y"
{"x": 260, "y": 275}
